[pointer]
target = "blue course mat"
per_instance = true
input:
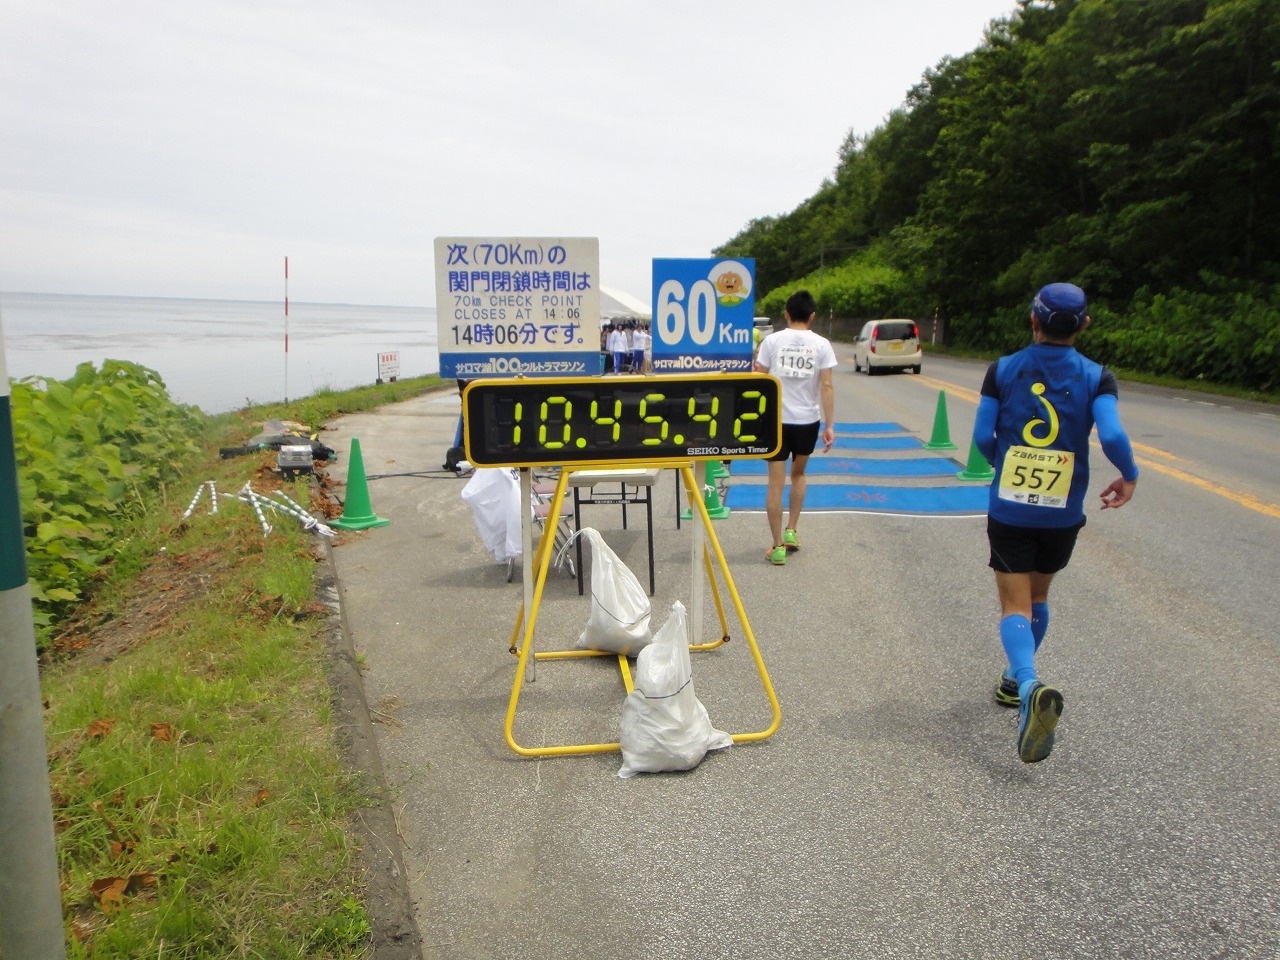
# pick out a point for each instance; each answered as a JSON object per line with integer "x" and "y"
{"x": 827, "y": 496}
{"x": 870, "y": 428}
{"x": 878, "y": 443}
{"x": 821, "y": 466}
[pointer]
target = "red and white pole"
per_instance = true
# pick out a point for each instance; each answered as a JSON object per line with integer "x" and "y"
{"x": 286, "y": 329}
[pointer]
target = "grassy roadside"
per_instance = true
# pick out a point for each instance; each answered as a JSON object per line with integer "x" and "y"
{"x": 201, "y": 805}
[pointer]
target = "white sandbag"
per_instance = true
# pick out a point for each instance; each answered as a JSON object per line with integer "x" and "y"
{"x": 493, "y": 493}
{"x": 620, "y": 609}
{"x": 664, "y": 724}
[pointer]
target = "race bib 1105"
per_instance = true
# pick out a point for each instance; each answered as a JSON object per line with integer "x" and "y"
{"x": 795, "y": 361}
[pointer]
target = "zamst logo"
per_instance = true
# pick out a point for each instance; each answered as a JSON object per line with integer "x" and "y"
{"x": 1050, "y": 457}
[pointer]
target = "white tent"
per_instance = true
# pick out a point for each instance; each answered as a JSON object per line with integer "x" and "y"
{"x": 618, "y": 305}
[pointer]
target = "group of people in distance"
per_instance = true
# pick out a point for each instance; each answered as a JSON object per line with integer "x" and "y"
{"x": 629, "y": 346}
{"x": 1037, "y": 410}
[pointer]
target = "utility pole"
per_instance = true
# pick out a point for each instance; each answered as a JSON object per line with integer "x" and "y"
{"x": 30, "y": 900}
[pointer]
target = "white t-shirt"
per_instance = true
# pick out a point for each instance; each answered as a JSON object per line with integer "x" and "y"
{"x": 796, "y": 357}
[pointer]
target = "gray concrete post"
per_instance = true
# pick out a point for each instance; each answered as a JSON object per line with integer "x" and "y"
{"x": 30, "y": 901}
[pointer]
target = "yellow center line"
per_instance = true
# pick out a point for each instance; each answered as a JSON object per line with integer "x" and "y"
{"x": 1156, "y": 451}
{"x": 1247, "y": 500}
{"x": 964, "y": 393}
{"x": 1244, "y": 499}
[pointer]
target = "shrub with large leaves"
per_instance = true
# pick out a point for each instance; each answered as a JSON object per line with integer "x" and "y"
{"x": 90, "y": 449}
{"x": 1228, "y": 333}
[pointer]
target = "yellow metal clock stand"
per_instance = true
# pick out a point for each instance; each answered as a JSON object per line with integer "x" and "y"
{"x": 542, "y": 564}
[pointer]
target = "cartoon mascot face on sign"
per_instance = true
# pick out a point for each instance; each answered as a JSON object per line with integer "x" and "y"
{"x": 732, "y": 281}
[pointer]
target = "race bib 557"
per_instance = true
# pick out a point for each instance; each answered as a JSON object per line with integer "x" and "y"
{"x": 1037, "y": 477}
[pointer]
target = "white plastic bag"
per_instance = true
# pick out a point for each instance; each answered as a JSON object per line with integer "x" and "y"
{"x": 664, "y": 724}
{"x": 619, "y": 620}
{"x": 493, "y": 493}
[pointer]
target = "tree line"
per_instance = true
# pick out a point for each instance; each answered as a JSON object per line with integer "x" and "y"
{"x": 1129, "y": 146}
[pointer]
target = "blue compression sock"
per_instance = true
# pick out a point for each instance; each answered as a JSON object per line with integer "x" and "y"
{"x": 1039, "y": 622}
{"x": 1019, "y": 646}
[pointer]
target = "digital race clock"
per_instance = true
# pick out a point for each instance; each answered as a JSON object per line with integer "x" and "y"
{"x": 546, "y": 422}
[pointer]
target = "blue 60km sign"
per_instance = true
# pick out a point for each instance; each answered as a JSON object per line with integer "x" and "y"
{"x": 702, "y": 315}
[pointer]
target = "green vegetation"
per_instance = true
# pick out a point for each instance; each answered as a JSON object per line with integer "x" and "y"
{"x": 89, "y": 450}
{"x": 200, "y": 802}
{"x": 1130, "y": 147}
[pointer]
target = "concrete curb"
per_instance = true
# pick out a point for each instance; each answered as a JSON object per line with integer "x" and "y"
{"x": 395, "y": 932}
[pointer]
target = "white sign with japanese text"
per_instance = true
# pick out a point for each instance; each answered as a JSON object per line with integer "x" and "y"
{"x": 518, "y": 306}
{"x": 389, "y": 366}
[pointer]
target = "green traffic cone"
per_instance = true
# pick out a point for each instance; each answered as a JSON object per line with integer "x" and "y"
{"x": 941, "y": 439}
{"x": 977, "y": 468}
{"x": 357, "y": 512}
{"x": 711, "y": 500}
{"x": 716, "y": 470}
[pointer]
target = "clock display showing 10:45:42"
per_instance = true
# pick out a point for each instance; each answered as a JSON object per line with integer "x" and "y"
{"x": 548, "y": 422}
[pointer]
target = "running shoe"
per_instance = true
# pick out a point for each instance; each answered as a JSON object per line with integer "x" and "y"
{"x": 776, "y": 555}
{"x": 1041, "y": 710}
{"x": 1007, "y": 692}
{"x": 790, "y": 540}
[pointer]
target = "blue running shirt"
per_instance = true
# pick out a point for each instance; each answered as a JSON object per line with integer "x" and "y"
{"x": 1043, "y": 414}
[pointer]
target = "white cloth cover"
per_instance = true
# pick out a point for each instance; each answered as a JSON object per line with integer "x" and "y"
{"x": 493, "y": 493}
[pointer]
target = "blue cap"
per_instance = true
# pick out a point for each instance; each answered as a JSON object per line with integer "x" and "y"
{"x": 1060, "y": 308}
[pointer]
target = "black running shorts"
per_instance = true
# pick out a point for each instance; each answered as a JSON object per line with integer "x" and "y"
{"x": 1030, "y": 549}
{"x": 798, "y": 440}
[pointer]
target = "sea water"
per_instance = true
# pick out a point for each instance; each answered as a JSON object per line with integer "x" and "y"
{"x": 218, "y": 355}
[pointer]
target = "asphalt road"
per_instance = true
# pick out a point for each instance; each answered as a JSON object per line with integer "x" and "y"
{"x": 889, "y": 816}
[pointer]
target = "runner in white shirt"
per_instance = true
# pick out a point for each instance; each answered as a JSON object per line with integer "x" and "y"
{"x": 802, "y": 361}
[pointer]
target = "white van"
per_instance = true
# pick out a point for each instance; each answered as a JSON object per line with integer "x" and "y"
{"x": 887, "y": 344}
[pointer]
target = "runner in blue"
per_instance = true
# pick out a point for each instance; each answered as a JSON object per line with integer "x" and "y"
{"x": 1038, "y": 407}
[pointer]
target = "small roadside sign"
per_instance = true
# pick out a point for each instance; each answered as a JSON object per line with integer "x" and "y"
{"x": 518, "y": 306}
{"x": 703, "y": 311}
{"x": 389, "y": 366}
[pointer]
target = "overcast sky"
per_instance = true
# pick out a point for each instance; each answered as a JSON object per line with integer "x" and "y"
{"x": 182, "y": 149}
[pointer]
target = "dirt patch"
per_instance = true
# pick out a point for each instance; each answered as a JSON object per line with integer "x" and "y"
{"x": 94, "y": 635}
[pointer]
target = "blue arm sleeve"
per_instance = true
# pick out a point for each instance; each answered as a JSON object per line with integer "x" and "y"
{"x": 984, "y": 428}
{"x": 1115, "y": 442}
